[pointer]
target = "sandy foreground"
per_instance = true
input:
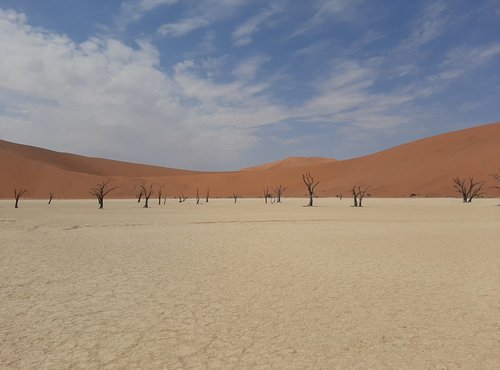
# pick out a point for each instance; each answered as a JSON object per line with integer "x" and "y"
{"x": 398, "y": 284}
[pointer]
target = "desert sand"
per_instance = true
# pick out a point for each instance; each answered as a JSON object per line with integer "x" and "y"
{"x": 397, "y": 284}
{"x": 424, "y": 167}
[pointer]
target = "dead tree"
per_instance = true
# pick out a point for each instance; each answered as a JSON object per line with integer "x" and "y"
{"x": 468, "y": 189}
{"x": 139, "y": 193}
{"x": 197, "y": 196}
{"x": 496, "y": 177}
{"x": 235, "y": 196}
{"x": 101, "y": 190}
{"x": 279, "y": 190}
{"x": 267, "y": 194}
{"x": 358, "y": 193}
{"x": 182, "y": 198}
{"x": 207, "y": 195}
{"x": 17, "y": 195}
{"x": 147, "y": 194}
{"x": 165, "y": 200}
{"x": 51, "y": 196}
{"x": 311, "y": 185}
{"x": 159, "y": 196}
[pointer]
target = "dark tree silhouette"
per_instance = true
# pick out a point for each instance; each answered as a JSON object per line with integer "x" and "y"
{"x": 358, "y": 193}
{"x": 197, "y": 196}
{"x": 311, "y": 185}
{"x": 182, "y": 198}
{"x": 147, "y": 194}
{"x": 165, "y": 200}
{"x": 207, "y": 195}
{"x": 17, "y": 195}
{"x": 468, "y": 189}
{"x": 159, "y": 196}
{"x": 51, "y": 196}
{"x": 101, "y": 190}
{"x": 267, "y": 194}
{"x": 139, "y": 193}
{"x": 279, "y": 190}
{"x": 235, "y": 196}
{"x": 496, "y": 177}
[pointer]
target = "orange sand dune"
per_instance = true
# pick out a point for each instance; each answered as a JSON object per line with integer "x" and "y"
{"x": 424, "y": 167}
{"x": 290, "y": 162}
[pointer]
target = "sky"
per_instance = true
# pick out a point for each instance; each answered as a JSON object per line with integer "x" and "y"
{"x": 225, "y": 84}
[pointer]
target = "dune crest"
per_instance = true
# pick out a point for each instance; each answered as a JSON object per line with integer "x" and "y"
{"x": 424, "y": 167}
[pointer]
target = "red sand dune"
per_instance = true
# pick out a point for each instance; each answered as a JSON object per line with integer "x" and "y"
{"x": 290, "y": 162}
{"x": 424, "y": 167}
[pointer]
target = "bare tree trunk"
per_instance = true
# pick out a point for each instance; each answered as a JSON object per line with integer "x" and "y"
{"x": 279, "y": 190}
{"x": 361, "y": 194}
{"x": 197, "y": 196}
{"x": 50, "y": 197}
{"x": 100, "y": 192}
{"x": 496, "y": 177}
{"x": 469, "y": 190}
{"x": 147, "y": 194}
{"x": 139, "y": 195}
{"x": 358, "y": 195}
{"x": 266, "y": 194}
{"x": 159, "y": 196}
{"x": 235, "y": 196}
{"x": 311, "y": 185}
{"x": 17, "y": 195}
{"x": 207, "y": 196}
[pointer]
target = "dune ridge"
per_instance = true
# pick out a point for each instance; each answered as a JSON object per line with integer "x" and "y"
{"x": 424, "y": 167}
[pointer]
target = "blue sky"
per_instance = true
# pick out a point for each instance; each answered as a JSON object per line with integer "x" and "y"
{"x": 224, "y": 84}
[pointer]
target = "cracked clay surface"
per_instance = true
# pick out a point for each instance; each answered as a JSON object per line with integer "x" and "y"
{"x": 399, "y": 284}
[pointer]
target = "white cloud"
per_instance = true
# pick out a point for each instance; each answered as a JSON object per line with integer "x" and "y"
{"x": 133, "y": 10}
{"x": 248, "y": 68}
{"x": 410, "y": 57}
{"x": 184, "y": 26}
{"x": 103, "y": 97}
{"x": 346, "y": 97}
{"x": 326, "y": 10}
{"x": 243, "y": 33}
{"x": 460, "y": 60}
{"x": 429, "y": 24}
{"x": 201, "y": 14}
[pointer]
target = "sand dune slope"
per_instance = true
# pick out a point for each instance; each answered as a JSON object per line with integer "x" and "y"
{"x": 424, "y": 167}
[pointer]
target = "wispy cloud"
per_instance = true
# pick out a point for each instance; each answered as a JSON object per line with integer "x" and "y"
{"x": 98, "y": 91}
{"x": 429, "y": 24}
{"x": 248, "y": 68}
{"x": 202, "y": 14}
{"x": 460, "y": 60}
{"x": 326, "y": 10}
{"x": 111, "y": 97}
{"x": 346, "y": 96}
{"x": 133, "y": 10}
{"x": 243, "y": 33}
{"x": 184, "y": 26}
{"x": 211, "y": 102}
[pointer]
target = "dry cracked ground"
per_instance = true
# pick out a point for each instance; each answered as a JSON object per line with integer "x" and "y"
{"x": 397, "y": 284}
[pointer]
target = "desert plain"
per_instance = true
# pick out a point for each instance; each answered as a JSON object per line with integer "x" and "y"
{"x": 397, "y": 284}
